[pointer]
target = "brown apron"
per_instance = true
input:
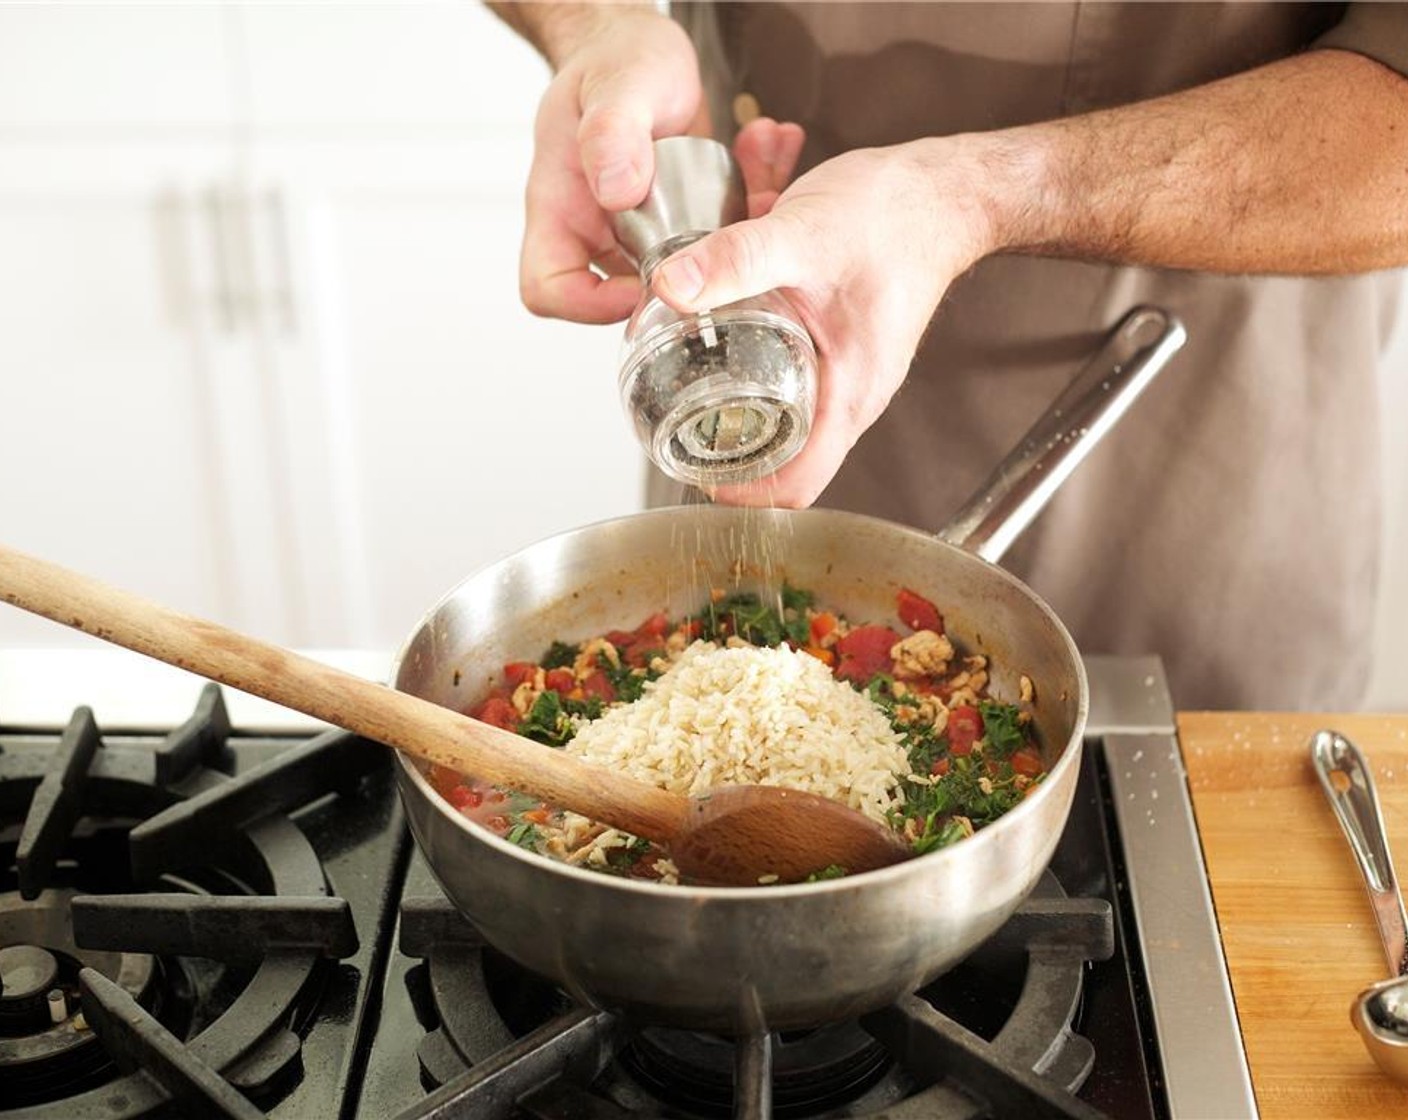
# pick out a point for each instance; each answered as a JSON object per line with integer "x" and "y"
{"x": 1231, "y": 523}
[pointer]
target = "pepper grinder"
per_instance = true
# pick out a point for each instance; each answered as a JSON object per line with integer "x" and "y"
{"x": 719, "y": 396}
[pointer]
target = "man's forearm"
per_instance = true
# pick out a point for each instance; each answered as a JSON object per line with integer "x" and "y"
{"x": 1296, "y": 167}
{"x": 556, "y": 30}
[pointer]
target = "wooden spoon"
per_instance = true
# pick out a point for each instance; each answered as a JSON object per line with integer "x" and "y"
{"x": 731, "y": 836}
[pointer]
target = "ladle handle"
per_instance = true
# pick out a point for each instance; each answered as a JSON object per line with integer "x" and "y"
{"x": 1021, "y": 485}
{"x": 1345, "y": 778}
{"x": 397, "y": 719}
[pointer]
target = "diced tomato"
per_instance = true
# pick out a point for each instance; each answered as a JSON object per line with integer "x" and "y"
{"x": 620, "y": 638}
{"x": 825, "y": 656}
{"x": 537, "y": 816}
{"x": 442, "y": 777}
{"x": 465, "y": 797}
{"x": 598, "y": 684}
{"x": 965, "y": 727}
{"x": 928, "y": 686}
{"x": 499, "y": 712}
{"x": 516, "y": 672}
{"x": 864, "y": 652}
{"x": 639, "y": 652}
{"x": 693, "y": 628}
{"x": 655, "y": 627}
{"x": 497, "y": 823}
{"x": 822, "y": 625}
{"x": 560, "y": 681}
{"x": 1026, "y": 762}
{"x": 940, "y": 767}
{"x": 917, "y": 612}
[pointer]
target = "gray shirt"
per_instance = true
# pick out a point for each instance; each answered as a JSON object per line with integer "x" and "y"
{"x": 1231, "y": 522}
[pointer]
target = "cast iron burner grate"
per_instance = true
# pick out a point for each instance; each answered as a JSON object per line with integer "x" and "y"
{"x": 991, "y": 1038}
{"x": 167, "y": 928}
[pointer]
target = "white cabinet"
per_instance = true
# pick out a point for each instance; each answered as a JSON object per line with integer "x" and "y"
{"x": 87, "y": 69}
{"x": 261, "y": 346}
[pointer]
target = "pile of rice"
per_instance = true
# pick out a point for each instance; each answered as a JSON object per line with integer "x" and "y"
{"x": 752, "y": 716}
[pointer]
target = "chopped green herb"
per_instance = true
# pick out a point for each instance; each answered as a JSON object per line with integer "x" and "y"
{"x": 546, "y": 722}
{"x": 525, "y": 835}
{"x": 520, "y": 802}
{"x": 627, "y": 682}
{"x": 796, "y": 599}
{"x": 743, "y": 613}
{"x": 936, "y": 835}
{"x": 560, "y": 655}
{"x": 623, "y": 859}
{"x": 589, "y": 707}
{"x": 1001, "y": 727}
{"x": 830, "y": 871}
{"x": 881, "y": 690}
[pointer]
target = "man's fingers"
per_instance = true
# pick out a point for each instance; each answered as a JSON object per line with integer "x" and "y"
{"x": 741, "y": 260}
{"x": 853, "y": 394}
{"x": 556, "y": 278}
{"x": 800, "y": 481}
{"x": 767, "y": 154}
{"x": 615, "y": 138}
{"x": 583, "y": 297}
{"x": 622, "y": 112}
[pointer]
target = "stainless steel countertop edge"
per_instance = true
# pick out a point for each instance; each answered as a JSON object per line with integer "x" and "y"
{"x": 1204, "y": 1062}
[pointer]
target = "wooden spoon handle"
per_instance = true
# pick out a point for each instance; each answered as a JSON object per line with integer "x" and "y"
{"x": 397, "y": 719}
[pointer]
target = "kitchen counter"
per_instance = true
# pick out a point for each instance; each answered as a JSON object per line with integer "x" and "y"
{"x": 1296, "y": 926}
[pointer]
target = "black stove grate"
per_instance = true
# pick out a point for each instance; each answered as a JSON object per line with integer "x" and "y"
{"x": 504, "y": 1044}
{"x": 191, "y": 971}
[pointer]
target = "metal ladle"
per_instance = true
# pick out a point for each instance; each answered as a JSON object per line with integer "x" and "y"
{"x": 1380, "y": 1012}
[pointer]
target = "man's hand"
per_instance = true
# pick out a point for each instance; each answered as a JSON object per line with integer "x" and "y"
{"x": 625, "y": 75}
{"x": 865, "y": 245}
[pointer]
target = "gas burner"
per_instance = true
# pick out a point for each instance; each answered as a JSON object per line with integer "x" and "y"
{"x": 45, "y": 1046}
{"x": 165, "y": 926}
{"x": 813, "y": 1072}
{"x": 999, "y": 1024}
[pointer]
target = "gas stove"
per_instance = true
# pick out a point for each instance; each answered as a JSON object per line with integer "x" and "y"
{"x": 211, "y": 907}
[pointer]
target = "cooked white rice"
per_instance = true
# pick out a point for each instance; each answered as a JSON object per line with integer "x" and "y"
{"x": 752, "y": 716}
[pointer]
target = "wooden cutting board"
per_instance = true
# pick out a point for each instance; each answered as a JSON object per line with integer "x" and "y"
{"x": 1296, "y": 926}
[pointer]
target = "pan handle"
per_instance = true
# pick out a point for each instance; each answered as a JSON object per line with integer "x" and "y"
{"x": 1077, "y": 420}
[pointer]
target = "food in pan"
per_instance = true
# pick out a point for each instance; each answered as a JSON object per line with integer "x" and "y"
{"x": 897, "y": 723}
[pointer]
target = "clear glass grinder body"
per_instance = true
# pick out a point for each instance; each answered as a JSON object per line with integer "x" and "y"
{"x": 715, "y": 397}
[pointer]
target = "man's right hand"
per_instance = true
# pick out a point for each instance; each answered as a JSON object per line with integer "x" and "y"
{"x": 625, "y": 76}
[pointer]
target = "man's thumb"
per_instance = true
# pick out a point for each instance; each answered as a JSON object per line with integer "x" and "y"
{"x": 618, "y": 118}
{"x": 738, "y": 261}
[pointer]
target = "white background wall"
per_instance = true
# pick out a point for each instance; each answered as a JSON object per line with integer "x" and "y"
{"x": 330, "y": 475}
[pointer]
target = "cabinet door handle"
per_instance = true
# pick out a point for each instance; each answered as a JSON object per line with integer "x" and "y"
{"x": 218, "y": 210}
{"x": 282, "y": 258}
{"x": 172, "y": 215}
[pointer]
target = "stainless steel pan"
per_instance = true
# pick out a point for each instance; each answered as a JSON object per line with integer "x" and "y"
{"x": 747, "y": 959}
